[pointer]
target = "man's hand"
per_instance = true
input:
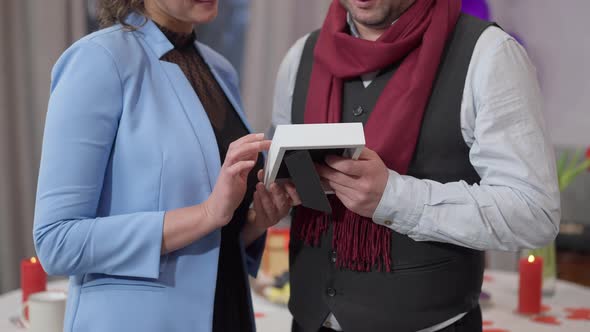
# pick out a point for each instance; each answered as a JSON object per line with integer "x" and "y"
{"x": 359, "y": 184}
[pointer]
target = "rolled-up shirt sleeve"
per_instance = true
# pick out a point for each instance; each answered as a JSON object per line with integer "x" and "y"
{"x": 516, "y": 204}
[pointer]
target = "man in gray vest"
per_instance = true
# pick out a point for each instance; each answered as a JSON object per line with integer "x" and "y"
{"x": 457, "y": 162}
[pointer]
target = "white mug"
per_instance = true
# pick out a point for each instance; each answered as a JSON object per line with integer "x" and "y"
{"x": 46, "y": 312}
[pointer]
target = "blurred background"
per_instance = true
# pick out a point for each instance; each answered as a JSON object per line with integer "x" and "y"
{"x": 254, "y": 35}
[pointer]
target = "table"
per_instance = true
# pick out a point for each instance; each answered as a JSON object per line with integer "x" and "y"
{"x": 503, "y": 288}
{"x": 498, "y": 313}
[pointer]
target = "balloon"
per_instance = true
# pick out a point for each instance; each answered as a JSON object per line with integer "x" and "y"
{"x": 480, "y": 8}
{"x": 477, "y": 8}
{"x": 517, "y": 37}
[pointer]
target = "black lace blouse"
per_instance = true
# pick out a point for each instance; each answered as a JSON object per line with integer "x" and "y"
{"x": 232, "y": 311}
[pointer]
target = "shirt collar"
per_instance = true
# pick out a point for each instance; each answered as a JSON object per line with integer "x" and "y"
{"x": 353, "y": 29}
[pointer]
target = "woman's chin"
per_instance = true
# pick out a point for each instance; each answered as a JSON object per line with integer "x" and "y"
{"x": 204, "y": 12}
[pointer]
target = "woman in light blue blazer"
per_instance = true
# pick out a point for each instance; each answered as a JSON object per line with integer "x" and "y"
{"x": 147, "y": 177}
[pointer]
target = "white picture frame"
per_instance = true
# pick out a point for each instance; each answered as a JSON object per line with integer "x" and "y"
{"x": 347, "y": 136}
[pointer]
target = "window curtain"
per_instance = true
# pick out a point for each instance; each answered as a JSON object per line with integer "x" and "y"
{"x": 33, "y": 33}
{"x": 273, "y": 27}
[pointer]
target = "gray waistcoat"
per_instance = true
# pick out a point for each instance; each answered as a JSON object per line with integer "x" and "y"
{"x": 431, "y": 282}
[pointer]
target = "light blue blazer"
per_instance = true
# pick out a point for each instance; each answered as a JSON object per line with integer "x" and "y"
{"x": 126, "y": 139}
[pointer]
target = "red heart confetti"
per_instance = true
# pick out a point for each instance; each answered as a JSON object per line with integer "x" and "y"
{"x": 578, "y": 317}
{"x": 488, "y": 323}
{"x": 259, "y": 315}
{"x": 545, "y": 308}
{"x": 552, "y": 320}
{"x": 585, "y": 311}
{"x": 578, "y": 313}
{"x": 488, "y": 278}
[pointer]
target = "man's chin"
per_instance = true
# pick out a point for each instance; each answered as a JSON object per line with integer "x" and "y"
{"x": 371, "y": 21}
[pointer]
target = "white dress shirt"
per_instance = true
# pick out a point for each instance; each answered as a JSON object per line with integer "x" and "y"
{"x": 516, "y": 205}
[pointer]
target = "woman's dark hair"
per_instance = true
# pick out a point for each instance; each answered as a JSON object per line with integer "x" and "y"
{"x": 111, "y": 12}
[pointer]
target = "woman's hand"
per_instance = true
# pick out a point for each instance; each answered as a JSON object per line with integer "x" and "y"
{"x": 270, "y": 206}
{"x": 184, "y": 226}
{"x": 231, "y": 185}
{"x": 273, "y": 205}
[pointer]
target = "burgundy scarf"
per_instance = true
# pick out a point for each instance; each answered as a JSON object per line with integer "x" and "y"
{"x": 417, "y": 39}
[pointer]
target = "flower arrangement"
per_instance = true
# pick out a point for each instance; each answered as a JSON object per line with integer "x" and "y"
{"x": 571, "y": 165}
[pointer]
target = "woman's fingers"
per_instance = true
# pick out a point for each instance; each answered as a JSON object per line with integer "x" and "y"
{"x": 268, "y": 205}
{"x": 251, "y": 216}
{"x": 247, "y": 138}
{"x": 253, "y": 140}
{"x": 260, "y": 175}
{"x": 259, "y": 209}
{"x": 248, "y": 150}
{"x": 240, "y": 167}
{"x": 280, "y": 198}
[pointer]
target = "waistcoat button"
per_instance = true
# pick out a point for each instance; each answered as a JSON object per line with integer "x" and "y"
{"x": 358, "y": 111}
{"x": 331, "y": 292}
{"x": 333, "y": 256}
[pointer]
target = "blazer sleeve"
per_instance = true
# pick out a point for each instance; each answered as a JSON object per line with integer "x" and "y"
{"x": 82, "y": 121}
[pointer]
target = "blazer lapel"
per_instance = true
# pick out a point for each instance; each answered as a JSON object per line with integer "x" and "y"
{"x": 191, "y": 105}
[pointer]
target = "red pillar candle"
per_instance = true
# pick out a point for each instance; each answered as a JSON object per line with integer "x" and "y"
{"x": 33, "y": 278}
{"x": 531, "y": 280}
